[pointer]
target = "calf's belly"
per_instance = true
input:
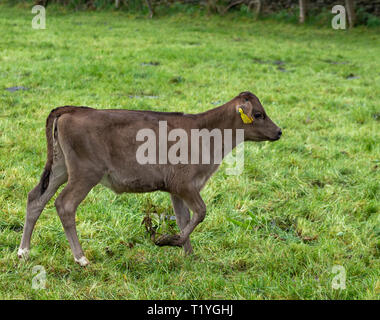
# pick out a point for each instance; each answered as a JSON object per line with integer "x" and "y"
{"x": 132, "y": 184}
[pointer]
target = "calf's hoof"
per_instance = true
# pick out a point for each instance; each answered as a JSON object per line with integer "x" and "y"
{"x": 188, "y": 251}
{"x": 23, "y": 253}
{"x": 82, "y": 261}
{"x": 169, "y": 240}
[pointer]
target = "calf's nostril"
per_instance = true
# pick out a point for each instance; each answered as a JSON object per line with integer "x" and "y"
{"x": 279, "y": 132}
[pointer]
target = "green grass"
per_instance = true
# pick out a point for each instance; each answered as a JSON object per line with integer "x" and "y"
{"x": 302, "y": 205}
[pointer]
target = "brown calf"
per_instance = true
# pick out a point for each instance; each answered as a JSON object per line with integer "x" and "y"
{"x": 86, "y": 146}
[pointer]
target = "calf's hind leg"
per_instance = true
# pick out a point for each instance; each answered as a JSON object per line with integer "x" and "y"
{"x": 37, "y": 200}
{"x": 67, "y": 203}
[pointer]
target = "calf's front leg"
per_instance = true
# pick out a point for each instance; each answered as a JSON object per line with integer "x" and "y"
{"x": 193, "y": 200}
{"x": 182, "y": 214}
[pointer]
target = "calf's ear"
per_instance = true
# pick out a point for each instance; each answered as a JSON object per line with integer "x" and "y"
{"x": 244, "y": 113}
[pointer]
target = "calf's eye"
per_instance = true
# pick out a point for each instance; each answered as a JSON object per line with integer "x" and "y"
{"x": 257, "y": 115}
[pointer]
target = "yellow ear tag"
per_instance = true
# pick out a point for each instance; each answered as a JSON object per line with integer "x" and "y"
{"x": 246, "y": 119}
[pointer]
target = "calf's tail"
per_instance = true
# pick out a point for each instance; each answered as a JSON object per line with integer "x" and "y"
{"x": 51, "y": 130}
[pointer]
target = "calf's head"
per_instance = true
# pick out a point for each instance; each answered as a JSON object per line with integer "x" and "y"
{"x": 251, "y": 116}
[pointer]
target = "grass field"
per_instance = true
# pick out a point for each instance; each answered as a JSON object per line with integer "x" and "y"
{"x": 302, "y": 205}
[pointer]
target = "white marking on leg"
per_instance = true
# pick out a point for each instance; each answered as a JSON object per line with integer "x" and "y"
{"x": 82, "y": 261}
{"x": 23, "y": 253}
